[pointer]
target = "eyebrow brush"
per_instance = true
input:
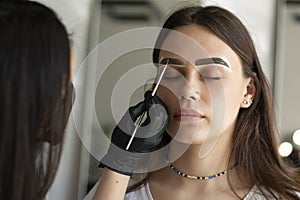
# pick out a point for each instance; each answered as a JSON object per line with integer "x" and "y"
{"x": 141, "y": 118}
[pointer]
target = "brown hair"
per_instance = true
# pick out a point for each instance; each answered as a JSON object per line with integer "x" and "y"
{"x": 35, "y": 98}
{"x": 254, "y": 152}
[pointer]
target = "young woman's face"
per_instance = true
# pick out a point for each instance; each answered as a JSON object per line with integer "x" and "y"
{"x": 203, "y": 85}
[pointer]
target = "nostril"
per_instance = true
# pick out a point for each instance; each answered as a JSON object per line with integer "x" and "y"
{"x": 190, "y": 97}
{"x": 188, "y": 92}
{"x": 181, "y": 98}
{"x": 193, "y": 98}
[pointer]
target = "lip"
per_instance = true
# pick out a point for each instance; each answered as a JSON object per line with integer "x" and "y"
{"x": 188, "y": 115}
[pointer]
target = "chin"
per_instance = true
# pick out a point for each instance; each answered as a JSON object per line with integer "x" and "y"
{"x": 188, "y": 134}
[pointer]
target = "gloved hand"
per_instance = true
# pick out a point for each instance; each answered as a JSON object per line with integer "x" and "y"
{"x": 147, "y": 137}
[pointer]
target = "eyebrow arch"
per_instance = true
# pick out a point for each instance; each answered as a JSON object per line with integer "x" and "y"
{"x": 213, "y": 60}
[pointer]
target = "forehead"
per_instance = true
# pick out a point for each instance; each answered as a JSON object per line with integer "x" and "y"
{"x": 194, "y": 42}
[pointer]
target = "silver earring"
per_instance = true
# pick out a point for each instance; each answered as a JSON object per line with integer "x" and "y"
{"x": 247, "y": 102}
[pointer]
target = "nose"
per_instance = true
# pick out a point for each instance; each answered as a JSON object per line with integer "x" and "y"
{"x": 190, "y": 89}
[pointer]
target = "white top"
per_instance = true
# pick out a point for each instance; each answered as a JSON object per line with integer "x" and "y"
{"x": 143, "y": 193}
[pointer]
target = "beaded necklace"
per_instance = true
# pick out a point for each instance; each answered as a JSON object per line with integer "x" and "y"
{"x": 174, "y": 169}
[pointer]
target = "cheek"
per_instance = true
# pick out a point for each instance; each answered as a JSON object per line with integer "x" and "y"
{"x": 168, "y": 97}
{"x": 234, "y": 96}
{"x": 235, "y": 93}
{"x": 232, "y": 104}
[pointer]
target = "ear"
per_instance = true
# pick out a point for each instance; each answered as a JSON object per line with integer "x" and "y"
{"x": 249, "y": 92}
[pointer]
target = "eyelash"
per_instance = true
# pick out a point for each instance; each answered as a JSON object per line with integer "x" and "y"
{"x": 208, "y": 75}
{"x": 170, "y": 78}
{"x": 211, "y": 78}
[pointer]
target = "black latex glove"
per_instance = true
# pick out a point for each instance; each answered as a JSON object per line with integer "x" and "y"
{"x": 147, "y": 137}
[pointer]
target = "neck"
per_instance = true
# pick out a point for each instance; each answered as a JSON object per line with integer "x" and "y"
{"x": 214, "y": 162}
{"x": 200, "y": 163}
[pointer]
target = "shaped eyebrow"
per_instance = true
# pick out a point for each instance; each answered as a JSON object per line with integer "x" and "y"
{"x": 172, "y": 61}
{"x": 203, "y": 61}
{"x": 213, "y": 60}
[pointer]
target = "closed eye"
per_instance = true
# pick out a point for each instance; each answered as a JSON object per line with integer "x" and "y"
{"x": 210, "y": 78}
{"x": 172, "y": 72}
